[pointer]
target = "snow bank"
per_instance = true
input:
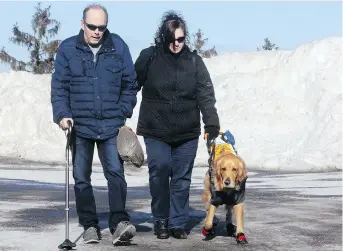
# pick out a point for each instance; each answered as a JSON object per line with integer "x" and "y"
{"x": 283, "y": 107}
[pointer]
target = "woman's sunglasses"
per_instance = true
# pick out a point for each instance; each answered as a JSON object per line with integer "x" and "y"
{"x": 179, "y": 39}
{"x": 93, "y": 27}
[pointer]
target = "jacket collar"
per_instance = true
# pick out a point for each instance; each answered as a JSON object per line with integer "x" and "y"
{"x": 106, "y": 40}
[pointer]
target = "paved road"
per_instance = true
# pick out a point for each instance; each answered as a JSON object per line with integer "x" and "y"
{"x": 32, "y": 217}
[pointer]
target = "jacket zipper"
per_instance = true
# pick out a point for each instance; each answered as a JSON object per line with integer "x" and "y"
{"x": 174, "y": 95}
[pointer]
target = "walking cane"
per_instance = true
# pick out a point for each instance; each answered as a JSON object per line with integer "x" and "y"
{"x": 67, "y": 244}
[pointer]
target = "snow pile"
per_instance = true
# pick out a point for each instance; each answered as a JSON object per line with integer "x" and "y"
{"x": 283, "y": 107}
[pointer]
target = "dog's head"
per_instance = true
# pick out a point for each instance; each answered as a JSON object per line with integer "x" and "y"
{"x": 230, "y": 171}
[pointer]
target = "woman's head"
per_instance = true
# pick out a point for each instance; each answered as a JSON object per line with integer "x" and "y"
{"x": 172, "y": 32}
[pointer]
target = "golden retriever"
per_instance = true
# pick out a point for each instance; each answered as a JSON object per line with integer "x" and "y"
{"x": 228, "y": 172}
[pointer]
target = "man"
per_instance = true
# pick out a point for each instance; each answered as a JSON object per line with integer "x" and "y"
{"x": 94, "y": 87}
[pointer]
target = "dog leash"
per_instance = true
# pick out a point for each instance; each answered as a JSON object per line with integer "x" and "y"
{"x": 211, "y": 148}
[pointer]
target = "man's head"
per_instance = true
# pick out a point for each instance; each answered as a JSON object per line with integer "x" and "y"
{"x": 94, "y": 23}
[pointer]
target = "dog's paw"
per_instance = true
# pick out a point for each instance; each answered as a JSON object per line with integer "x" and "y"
{"x": 208, "y": 233}
{"x": 241, "y": 239}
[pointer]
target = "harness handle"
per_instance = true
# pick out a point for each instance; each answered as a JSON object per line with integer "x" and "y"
{"x": 211, "y": 145}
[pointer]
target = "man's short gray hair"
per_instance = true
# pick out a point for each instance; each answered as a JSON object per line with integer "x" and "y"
{"x": 94, "y": 6}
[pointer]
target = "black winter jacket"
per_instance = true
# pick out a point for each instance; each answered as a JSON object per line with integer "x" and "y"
{"x": 174, "y": 91}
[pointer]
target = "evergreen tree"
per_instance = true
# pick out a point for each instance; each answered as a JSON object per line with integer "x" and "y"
{"x": 199, "y": 42}
{"x": 268, "y": 46}
{"x": 42, "y": 49}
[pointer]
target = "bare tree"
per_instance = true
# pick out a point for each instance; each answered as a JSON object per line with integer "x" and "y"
{"x": 199, "y": 42}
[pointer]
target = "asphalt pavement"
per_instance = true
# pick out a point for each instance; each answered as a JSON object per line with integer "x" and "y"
{"x": 32, "y": 217}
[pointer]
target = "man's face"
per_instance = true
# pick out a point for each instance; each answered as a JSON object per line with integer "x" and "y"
{"x": 94, "y": 25}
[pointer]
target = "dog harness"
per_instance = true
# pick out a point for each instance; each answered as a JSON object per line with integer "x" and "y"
{"x": 227, "y": 197}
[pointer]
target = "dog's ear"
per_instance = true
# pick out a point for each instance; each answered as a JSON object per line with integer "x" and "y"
{"x": 241, "y": 173}
{"x": 218, "y": 180}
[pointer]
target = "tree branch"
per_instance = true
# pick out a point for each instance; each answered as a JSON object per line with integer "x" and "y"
{"x": 51, "y": 48}
{"x": 14, "y": 63}
{"x": 22, "y": 38}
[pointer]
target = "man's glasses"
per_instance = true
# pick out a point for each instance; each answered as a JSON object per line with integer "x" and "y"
{"x": 93, "y": 27}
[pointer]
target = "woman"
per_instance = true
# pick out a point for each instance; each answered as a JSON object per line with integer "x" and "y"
{"x": 176, "y": 87}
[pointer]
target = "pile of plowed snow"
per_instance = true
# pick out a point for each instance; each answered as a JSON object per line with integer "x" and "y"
{"x": 283, "y": 107}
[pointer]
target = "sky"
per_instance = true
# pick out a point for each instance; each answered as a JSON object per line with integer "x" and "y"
{"x": 229, "y": 26}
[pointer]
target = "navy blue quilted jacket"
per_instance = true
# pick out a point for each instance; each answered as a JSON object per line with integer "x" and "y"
{"x": 99, "y": 93}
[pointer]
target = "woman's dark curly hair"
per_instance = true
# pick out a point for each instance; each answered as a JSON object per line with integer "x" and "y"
{"x": 166, "y": 30}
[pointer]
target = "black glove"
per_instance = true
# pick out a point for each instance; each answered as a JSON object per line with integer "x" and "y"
{"x": 213, "y": 132}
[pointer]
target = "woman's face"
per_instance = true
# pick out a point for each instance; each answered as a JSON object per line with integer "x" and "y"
{"x": 179, "y": 41}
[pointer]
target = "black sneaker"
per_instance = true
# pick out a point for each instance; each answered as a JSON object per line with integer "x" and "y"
{"x": 124, "y": 232}
{"x": 161, "y": 229}
{"x": 179, "y": 233}
{"x": 92, "y": 235}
